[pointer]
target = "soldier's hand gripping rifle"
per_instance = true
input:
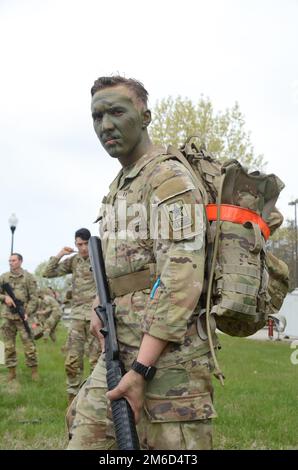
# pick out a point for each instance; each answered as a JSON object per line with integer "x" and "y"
{"x": 19, "y": 307}
{"x": 123, "y": 419}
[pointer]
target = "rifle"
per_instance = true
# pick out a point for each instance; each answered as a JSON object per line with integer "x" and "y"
{"x": 19, "y": 307}
{"x": 123, "y": 419}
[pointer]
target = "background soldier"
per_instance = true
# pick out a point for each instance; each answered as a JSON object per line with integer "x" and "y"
{"x": 83, "y": 293}
{"x": 25, "y": 290}
{"x": 48, "y": 315}
{"x": 156, "y": 326}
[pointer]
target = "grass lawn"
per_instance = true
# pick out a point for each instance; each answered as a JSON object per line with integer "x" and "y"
{"x": 257, "y": 408}
{"x": 32, "y": 414}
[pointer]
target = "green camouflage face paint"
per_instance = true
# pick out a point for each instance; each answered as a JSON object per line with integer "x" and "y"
{"x": 119, "y": 124}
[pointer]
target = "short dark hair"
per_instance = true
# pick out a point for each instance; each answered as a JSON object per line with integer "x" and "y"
{"x": 134, "y": 85}
{"x": 83, "y": 233}
{"x": 18, "y": 255}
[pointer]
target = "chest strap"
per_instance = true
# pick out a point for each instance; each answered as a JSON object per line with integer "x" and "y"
{"x": 133, "y": 282}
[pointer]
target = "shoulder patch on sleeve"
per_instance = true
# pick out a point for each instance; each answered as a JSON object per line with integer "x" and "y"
{"x": 172, "y": 187}
{"x": 180, "y": 217}
{"x": 170, "y": 178}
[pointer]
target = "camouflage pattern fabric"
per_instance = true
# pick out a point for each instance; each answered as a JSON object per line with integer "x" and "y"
{"x": 243, "y": 293}
{"x": 83, "y": 287}
{"x": 25, "y": 289}
{"x": 79, "y": 335}
{"x": 278, "y": 285}
{"x": 48, "y": 314}
{"x": 239, "y": 281}
{"x": 9, "y": 332}
{"x": 178, "y": 410}
{"x": 83, "y": 293}
{"x": 179, "y": 405}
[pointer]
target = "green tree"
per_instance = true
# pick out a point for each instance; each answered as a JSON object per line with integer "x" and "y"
{"x": 222, "y": 133}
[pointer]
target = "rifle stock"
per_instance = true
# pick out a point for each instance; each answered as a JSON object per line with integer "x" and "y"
{"x": 123, "y": 419}
{"x": 19, "y": 307}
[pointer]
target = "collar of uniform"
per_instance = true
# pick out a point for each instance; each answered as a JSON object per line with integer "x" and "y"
{"x": 115, "y": 183}
{"x": 80, "y": 258}
{"x": 137, "y": 167}
{"x": 21, "y": 273}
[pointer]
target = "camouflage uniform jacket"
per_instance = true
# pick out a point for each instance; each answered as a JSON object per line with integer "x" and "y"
{"x": 83, "y": 286}
{"x": 156, "y": 184}
{"x": 47, "y": 306}
{"x": 25, "y": 289}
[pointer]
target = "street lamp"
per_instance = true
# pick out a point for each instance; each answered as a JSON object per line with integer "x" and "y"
{"x": 294, "y": 203}
{"x": 13, "y": 222}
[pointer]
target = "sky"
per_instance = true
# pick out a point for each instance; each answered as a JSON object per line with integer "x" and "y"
{"x": 54, "y": 172}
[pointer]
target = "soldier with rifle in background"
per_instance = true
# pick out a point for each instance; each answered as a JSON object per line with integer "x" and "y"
{"x": 18, "y": 293}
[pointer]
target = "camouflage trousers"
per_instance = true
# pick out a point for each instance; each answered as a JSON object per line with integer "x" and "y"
{"x": 9, "y": 331}
{"x": 177, "y": 414}
{"x": 79, "y": 335}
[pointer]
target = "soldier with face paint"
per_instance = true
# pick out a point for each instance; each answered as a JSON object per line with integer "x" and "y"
{"x": 152, "y": 227}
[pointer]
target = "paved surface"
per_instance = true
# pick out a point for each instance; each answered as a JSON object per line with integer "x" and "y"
{"x": 262, "y": 335}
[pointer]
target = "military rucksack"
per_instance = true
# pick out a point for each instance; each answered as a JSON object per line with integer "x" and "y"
{"x": 246, "y": 283}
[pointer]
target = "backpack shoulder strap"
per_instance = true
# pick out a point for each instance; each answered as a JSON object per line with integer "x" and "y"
{"x": 171, "y": 150}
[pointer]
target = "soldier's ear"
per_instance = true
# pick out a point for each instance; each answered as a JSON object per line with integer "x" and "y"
{"x": 146, "y": 118}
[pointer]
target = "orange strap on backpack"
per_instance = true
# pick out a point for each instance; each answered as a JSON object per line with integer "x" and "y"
{"x": 238, "y": 215}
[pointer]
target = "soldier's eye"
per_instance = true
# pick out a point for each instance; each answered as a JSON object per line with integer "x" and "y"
{"x": 117, "y": 112}
{"x": 97, "y": 116}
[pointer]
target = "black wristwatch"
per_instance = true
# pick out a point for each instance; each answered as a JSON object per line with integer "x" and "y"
{"x": 148, "y": 372}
